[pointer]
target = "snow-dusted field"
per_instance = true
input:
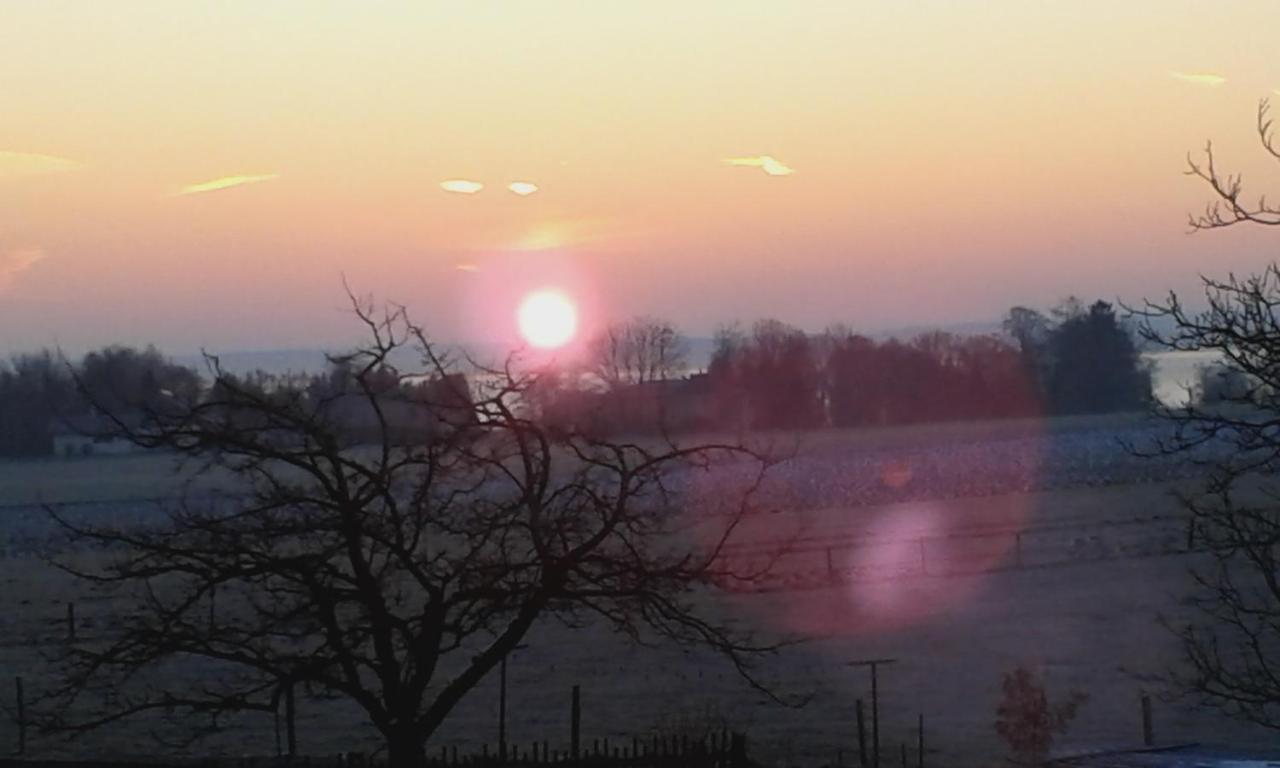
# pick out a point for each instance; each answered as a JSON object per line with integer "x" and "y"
{"x": 961, "y": 558}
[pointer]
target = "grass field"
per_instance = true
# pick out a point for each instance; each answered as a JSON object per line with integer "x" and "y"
{"x": 1087, "y": 623}
{"x": 94, "y": 478}
{"x": 150, "y": 475}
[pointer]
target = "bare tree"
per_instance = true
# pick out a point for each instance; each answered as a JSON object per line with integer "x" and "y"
{"x": 640, "y": 350}
{"x": 1231, "y": 637}
{"x": 1230, "y": 207}
{"x": 394, "y": 567}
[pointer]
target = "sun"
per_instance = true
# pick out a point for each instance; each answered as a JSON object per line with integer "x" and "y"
{"x": 547, "y": 319}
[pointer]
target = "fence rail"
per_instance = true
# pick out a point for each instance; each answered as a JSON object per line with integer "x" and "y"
{"x": 722, "y": 750}
{"x": 816, "y": 563}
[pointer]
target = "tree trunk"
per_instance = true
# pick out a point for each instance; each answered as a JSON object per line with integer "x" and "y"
{"x": 405, "y": 750}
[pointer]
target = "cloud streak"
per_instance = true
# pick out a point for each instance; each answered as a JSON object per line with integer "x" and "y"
{"x": 225, "y": 182}
{"x": 16, "y": 165}
{"x": 16, "y": 261}
{"x": 461, "y": 186}
{"x": 1200, "y": 78}
{"x": 766, "y": 163}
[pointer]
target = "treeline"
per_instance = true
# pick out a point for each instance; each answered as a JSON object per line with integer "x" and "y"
{"x": 44, "y": 397}
{"x": 42, "y": 394}
{"x": 1074, "y": 359}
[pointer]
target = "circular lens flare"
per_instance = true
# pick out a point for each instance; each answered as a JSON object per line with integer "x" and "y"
{"x": 547, "y": 319}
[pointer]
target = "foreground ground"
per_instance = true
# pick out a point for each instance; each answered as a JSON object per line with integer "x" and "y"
{"x": 1067, "y": 573}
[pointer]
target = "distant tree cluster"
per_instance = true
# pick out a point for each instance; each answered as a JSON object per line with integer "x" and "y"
{"x": 636, "y": 378}
{"x": 1076, "y": 359}
{"x": 1081, "y": 359}
{"x": 44, "y": 395}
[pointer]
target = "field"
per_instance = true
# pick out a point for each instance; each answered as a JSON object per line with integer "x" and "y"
{"x": 924, "y": 546}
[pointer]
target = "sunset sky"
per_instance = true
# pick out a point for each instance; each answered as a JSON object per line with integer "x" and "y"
{"x": 206, "y": 174}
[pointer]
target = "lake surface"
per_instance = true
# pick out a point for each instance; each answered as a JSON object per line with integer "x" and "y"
{"x": 1175, "y": 372}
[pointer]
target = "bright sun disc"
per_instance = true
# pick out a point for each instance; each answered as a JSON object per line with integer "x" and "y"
{"x": 547, "y": 319}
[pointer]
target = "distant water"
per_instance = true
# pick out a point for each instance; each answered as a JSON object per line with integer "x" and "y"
{"x": 1175, "y": 372}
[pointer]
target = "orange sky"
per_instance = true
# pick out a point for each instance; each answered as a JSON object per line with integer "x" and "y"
{"x": 206, "y": 176}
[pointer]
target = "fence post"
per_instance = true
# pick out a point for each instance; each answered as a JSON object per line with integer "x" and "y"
{"x": 920, "y": 741}
{"x": 903, "y": 746}
{"x": 290, "y": 714}
{"x": 22, "y": 716}
{"x": 575, "y": 723}
{"x": 1148, "y": 736}
{"x": 924, "y": 564}
{"x": 862, "y": 737}
{"x": 502, "y": 708}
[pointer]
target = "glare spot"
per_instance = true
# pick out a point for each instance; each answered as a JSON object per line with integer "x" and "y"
{"x": 461, "y": 186}
{"x": 1200, "y": 78}
{"x": 19, "y": 164}
{"x": 226, "y": 182}
{"x": 523, "y": 188}
{"x": 766, "y": 163}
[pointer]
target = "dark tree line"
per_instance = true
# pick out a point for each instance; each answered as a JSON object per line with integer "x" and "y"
{"x": 42, "y": 394}
{"x": 1075, "y": 360}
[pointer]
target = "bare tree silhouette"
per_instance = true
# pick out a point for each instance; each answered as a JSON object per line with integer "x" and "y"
{"x": 638, "y": 351}
{"x": 1230, "y": 208}
{"x": 1231, "y": 637}
{"x": 394, "y": 540}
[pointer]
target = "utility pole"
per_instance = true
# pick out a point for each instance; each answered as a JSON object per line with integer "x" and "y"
{"x": 502, "y": 701}
{"x": 874, "y": 664}
{"x": 502, "y": 709}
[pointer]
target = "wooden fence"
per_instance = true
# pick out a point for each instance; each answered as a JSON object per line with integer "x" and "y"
{"x": 717, "y": 750}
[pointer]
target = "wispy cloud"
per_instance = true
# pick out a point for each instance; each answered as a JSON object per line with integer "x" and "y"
{"x": 523, "y": 188}
{"x": 461, "y": 186}
{"x": 767, "y": 163}
{"x": 226, "y": 182}
{"x": 15, "y": 261}
{"x": 19, "y": 164}
{"x": 1200, "y": 78}
{"x": 466, "y": 267}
